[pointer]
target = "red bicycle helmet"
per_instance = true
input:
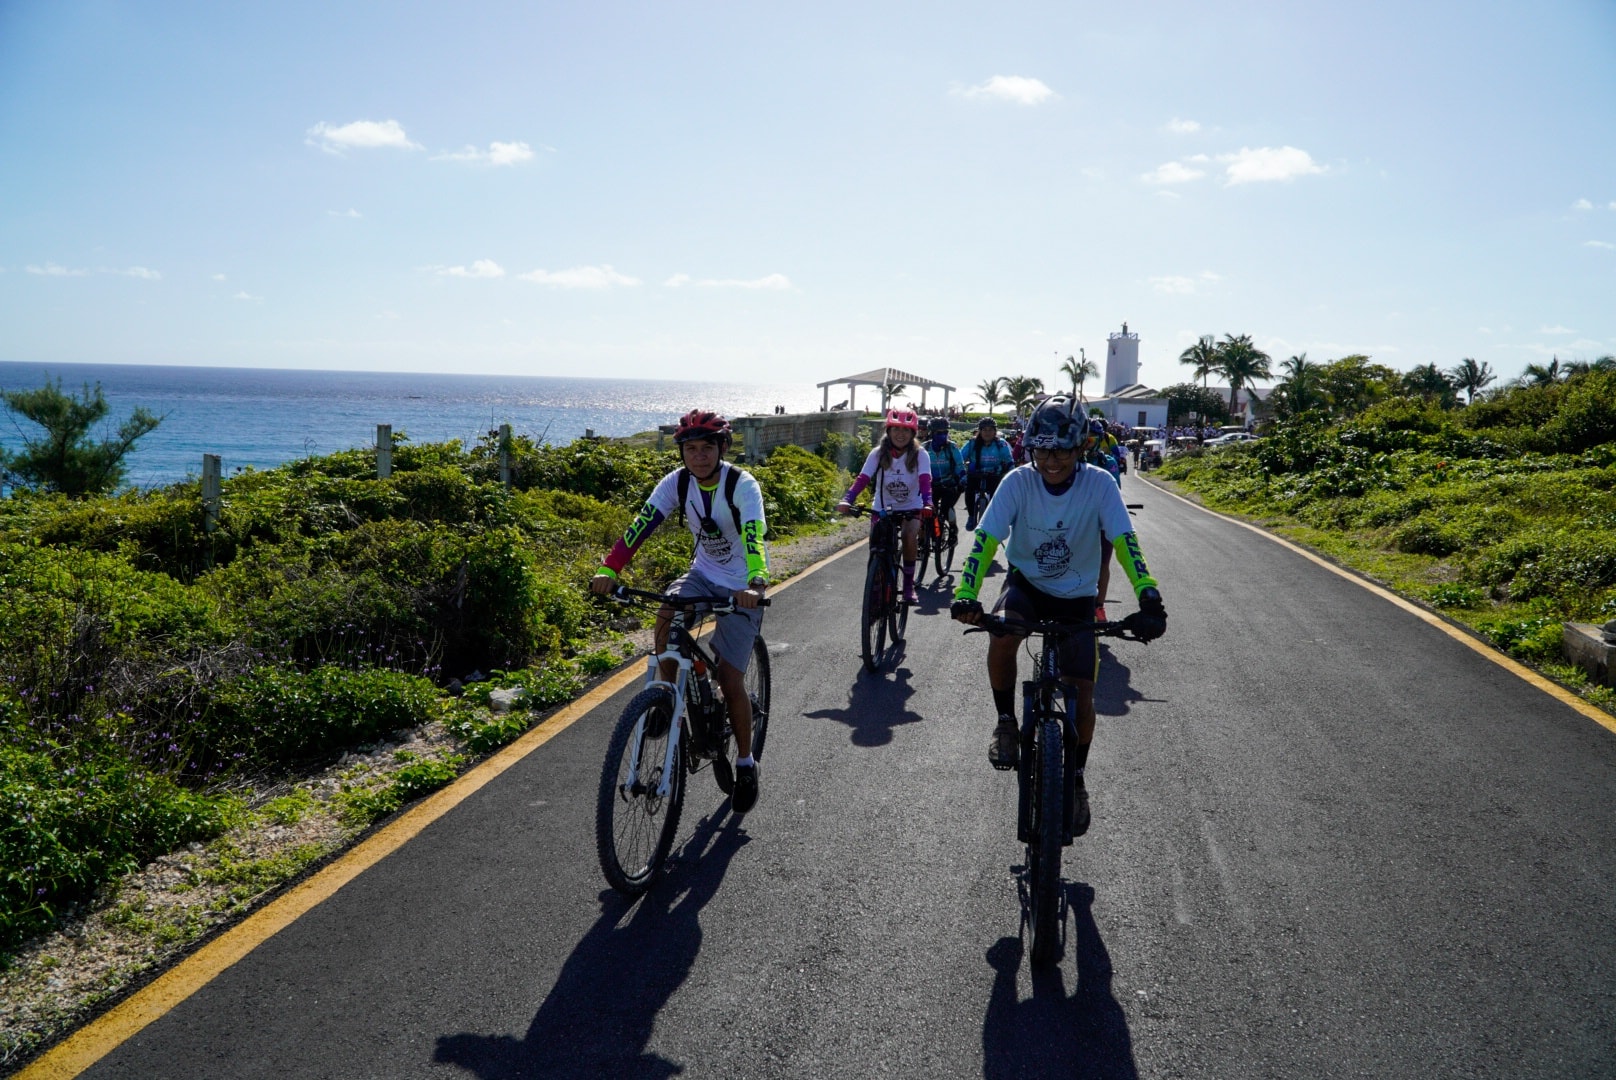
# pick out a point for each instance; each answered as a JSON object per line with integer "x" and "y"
{"x": 702, "y": 424}
{"x": 903, "y": 418}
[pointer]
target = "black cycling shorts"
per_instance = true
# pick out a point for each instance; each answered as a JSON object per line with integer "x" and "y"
{"x": 1079, "y": 656}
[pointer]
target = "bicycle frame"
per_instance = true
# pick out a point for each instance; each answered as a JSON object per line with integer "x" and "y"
{"x": 684, "y": 651}
{"x": 1038, "y": 702}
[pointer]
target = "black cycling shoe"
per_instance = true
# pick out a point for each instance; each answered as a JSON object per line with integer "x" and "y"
{"x": 1004, "y": 751}
{"x": 745, "y": 795}
{"x": 724, "y": 774}
{"x": 1080, "y": 813}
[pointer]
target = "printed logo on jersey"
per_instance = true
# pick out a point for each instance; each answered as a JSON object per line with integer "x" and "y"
{"x": 717, "y": 546}
{"x": 1053, "y": 556}
{"x": 897, "y": 491}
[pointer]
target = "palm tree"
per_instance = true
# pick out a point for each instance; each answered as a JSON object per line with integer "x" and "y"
{"x": 1539, "y": 375}
{"x": 992, "y": 392}
{"x": 1472, "y": 378}
{"x": 1203, "y": 355}
{"x": 1242, "y": 363}
{"x": 1300, "y": 388}
{"x": 1432, "y": 384}
{"x": 1079, "y": 371}
{"x": 1021, "y": 389}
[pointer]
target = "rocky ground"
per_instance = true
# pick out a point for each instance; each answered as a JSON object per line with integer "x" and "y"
{"x": 154, "y": 917}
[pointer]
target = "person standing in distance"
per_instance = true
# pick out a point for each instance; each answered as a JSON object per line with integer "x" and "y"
{"x": 1057, "y": 517}
{"x": 723, "y": 508}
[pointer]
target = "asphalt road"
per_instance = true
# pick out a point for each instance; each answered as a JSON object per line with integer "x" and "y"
{"x": 1328, "y": 841}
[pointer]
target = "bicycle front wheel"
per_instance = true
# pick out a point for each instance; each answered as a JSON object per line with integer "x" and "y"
{"x": 873, "y": 629}
{"x": 897, "y": 610}
{"x": 634, "y": 823}
{"x": 1044, "y": 852}
{"x": 757, "y": 692}
{"x": 944, "y": 545}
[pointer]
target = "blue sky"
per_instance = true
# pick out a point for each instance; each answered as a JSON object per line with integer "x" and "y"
{"x": 778, "y": 192}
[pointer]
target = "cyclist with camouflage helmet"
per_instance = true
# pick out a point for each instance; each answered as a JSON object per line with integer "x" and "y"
{"x": 1057, "y": 517}
{"x": 723, "y": 508}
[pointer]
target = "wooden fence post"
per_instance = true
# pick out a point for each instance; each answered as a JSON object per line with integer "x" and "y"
{"x": 212, "y": 492}
{"x": 384, "y": 451}
{"x": 505, "y": 455}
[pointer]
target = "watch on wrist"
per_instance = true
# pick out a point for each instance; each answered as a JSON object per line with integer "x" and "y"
{"x": 758, "y": 583}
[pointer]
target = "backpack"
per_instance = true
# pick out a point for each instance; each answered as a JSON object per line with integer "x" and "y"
{"x": 732, "y": 480}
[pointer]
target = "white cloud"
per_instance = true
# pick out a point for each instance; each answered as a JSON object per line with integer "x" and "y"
{"x": 482, "y": 268}
{"x": 1613, "y": 206}
{"x": 580, "y": 277}
{"x": 1015, "y": 88}
{"x": 1586, "y": 243}
{"x": 769, "y": 281}
{"x": 1555, "y": 330}
{"x": 1268, "y": 163}
{"x": 359, "y": 135}
{"x": 50, "y": 269}
{"x": 1173, "y": 284}
{"x": 1182, "y": 127}
{"x": 140, "y": 272}
{"x": 218, "y": 277}
{"x": 1582, "y": 204}
{"x": 1586, "y": 345}
{"x": 245, "y": 295}
{"x": 1172, "y": 172}
{"x": 350, "y": 213}
{"x": 1207, "y": 275}
{"x": 498, "y": 153}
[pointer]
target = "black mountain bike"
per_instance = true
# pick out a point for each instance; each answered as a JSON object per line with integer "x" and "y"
{"x": 669, "y": 731}
{"x": 884, "y": 615}
{"x": 1046, "y": 780}
{"x": 944, "y": 537}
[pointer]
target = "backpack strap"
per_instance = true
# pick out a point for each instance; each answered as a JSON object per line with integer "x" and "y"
{"x": 732, "y": 480}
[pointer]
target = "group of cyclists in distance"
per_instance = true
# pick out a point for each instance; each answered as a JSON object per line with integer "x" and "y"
{"x": 1059, "y": 516}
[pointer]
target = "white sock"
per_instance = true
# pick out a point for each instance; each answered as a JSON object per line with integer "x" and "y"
{"x": 746, "y": 762}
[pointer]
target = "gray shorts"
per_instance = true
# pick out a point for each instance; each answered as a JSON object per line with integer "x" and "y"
{"x": 733, "y": 634}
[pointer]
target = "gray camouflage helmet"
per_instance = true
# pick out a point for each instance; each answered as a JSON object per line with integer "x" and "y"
{"x": 1056, "y": 425}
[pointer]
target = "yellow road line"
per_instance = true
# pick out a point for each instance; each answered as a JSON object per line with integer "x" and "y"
{"x": 101, "y": 1036}
{"x": 1508, "y": 663}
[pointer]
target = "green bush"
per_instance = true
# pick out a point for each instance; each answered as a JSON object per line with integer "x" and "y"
{"x": 1535, "y": 639}
{"x": 75, "y": 816}
{"x": 275, "y": 716}
{"x": 799, "y": 488}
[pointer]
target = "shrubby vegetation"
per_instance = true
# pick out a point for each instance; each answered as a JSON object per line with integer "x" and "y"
{"x": 148, "y": 666}
{"x": 1502, "y": 513}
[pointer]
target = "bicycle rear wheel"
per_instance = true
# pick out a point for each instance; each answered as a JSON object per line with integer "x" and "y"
{"x": 634, "y": 825}
{"x": 873, "y": 628}
{"x": 757, "y": 692}
{"x": 943, "y": 546}
{"x": 923, "y": 546}
{"x": 1044, "y": 851}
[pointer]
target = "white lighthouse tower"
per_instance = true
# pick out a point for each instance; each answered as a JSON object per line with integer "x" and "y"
{"x": 1121, "y": 361}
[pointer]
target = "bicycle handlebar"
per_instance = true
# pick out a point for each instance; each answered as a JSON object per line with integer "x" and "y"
{"x": 712, "y": 604}
{"x": 993, "y": 624}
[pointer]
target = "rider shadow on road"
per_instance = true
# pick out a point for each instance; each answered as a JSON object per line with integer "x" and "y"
{"x": 875, "y": 706}
{"x": 1052, "y": 1034}
{"x": 1114, "y": 692}
{"x": 599, "y": 1015}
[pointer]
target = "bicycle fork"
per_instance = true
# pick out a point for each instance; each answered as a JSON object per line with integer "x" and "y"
{"x": 670, "y": 759}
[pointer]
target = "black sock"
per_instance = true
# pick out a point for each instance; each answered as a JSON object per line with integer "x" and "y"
{"x": 1005, "y": 702}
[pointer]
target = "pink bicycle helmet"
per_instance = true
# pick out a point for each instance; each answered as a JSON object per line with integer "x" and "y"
{"x": 903, "y": 418}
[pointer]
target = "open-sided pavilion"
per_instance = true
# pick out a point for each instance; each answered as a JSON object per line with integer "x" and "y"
{"x": 883, "y": 378}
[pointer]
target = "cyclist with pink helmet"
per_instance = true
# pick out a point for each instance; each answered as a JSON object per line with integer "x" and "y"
{"x": 723, "y": 509}
{"x": 900, "y": 471}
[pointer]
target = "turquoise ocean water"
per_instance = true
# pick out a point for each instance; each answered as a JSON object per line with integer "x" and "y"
{"x": 261, "y": 418}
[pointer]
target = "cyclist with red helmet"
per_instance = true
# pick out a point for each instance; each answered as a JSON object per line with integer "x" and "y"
{"x": 723, "y": 508}
{"x": 900, "y": 470}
